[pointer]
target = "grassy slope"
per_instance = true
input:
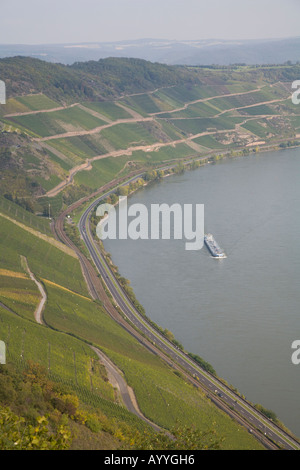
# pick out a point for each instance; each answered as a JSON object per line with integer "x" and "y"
{"x": 21, "y": 215}
{"x": 74, "y": 318}
{"x": 45, "y": 260}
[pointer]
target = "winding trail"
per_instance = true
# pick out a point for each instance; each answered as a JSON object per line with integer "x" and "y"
{"x": 39, "y": 310}
{"x": 116, "y": 379}
{"x": 209, "y": 98}
{"x": 51, "y": 110}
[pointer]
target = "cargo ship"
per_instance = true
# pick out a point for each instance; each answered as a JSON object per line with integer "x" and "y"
{"x": 213, "y": 246}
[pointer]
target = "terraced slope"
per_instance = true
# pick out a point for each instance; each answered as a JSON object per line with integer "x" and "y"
{"x": 67, "y": 145}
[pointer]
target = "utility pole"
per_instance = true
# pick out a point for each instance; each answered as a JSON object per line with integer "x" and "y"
{"x": 49, "y": 213}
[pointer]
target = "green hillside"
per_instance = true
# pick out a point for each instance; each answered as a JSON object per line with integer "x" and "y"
{"x": 73, "y": 322}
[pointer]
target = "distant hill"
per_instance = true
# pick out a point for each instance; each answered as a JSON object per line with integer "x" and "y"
{"x": 114, "y": 77}
{"x": 202, "y": 52}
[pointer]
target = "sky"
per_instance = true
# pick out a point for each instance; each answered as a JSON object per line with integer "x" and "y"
{"x": 77, "y": 21}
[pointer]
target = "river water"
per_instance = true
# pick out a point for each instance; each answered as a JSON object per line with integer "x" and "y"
{"x": 241, "y": 314}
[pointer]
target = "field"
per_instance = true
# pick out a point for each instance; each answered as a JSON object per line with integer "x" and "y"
{"x": 185, "y": 94}
{"x": 166, "y": 153}
{"x": 143, "y": 104}
{"x": 23, "y": 104}
{"x": 122, "y": 136}
{"x": 21, "y": 215}
{"x": 59, "y": 353}
{"x": 209, "y": 142}
{"x": 257, "y": 128}
{"x": 205, "y": 109}
{"x": 21, "y": 295}
{"x": 262, "y": 109}
{"x": 109, "y": 109}
{"x": 199, "y": 125}
{"x": 37, "y": 102}
{"x": 45, "y": 260}
{"x": 106, "y": 169}
{"x": 58, "y": 122}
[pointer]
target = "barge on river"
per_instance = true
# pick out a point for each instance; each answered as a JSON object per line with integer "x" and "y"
{"x": 213, "y": 246}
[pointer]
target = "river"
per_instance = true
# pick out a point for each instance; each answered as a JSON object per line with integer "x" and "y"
{"x": 241, "y": 314}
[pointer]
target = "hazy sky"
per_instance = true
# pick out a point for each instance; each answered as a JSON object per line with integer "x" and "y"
{"x": 75, "y": 21}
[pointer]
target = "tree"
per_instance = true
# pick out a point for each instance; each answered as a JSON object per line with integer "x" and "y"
{"x": 16, "y": 434}
{"x": 179, "y": 168}
{"x": 123, "y": 191}
{"x": 180, "y": 438}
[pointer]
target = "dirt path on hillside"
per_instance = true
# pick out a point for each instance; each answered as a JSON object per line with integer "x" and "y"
{"x": 39, "y": 309}
{"x": 126, "y": 393}
{"x": 251, "y": 106}
{"x": 51, "y": 110}
{"x": 203, "y": 100}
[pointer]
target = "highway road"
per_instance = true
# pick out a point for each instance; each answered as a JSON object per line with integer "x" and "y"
{"x": 256, "y": 423}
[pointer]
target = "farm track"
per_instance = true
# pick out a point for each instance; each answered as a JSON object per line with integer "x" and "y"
{"x": 40, "y": 307}
{"x": 117, "y": 380}
{"x": 203, "y": 100}
{"x": 51, "y": 110}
